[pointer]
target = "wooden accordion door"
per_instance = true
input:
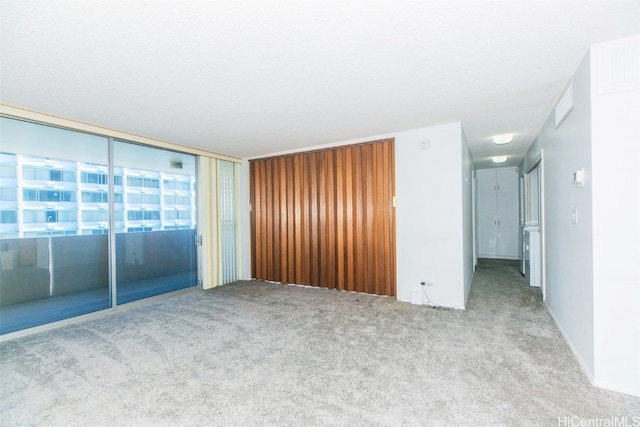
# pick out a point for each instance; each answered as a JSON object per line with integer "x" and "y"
{"x": 326, "y": 218}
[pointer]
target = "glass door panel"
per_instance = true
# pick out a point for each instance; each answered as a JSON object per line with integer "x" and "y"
{"x": 155, "y": 221}
{"x": 54, "y": 248}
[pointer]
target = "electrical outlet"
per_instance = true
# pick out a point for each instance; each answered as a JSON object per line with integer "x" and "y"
{"x": 429, "y": 283}
{"x": 422, "y": 283}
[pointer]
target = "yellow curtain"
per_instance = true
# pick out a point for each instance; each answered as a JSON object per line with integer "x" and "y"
{"x": 213, "y": 259}
{"x": 209, "y": 273}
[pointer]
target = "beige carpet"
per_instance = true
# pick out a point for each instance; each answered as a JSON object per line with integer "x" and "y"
{"x": 254, "y": 353}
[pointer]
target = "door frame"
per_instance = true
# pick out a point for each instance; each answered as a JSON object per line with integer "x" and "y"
{"x": 539, "y": 163}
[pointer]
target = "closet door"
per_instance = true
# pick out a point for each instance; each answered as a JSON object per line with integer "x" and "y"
{"x": 487, "y": 215}
{"x": 326, "y": 218}
{"x": 498, "y": 213}
{"x": 507, "y": 208}
{"x": 506, "y": 180}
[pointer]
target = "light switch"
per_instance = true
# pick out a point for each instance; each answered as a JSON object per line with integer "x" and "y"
{"x": 574, "y": 216}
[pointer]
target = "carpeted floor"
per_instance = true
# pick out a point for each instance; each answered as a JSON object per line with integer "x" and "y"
{"x": 255, "y": 353}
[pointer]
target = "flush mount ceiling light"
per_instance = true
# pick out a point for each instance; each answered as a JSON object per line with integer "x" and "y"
{"x": 503, "y": 139}
{"x": 499, "y": 159}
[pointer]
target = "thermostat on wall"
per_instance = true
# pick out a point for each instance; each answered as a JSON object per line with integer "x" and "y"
{"x": 578, "y": 177}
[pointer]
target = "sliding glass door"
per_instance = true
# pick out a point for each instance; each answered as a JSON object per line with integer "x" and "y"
{"x": 77, "y": 229}
{"x": 54, "y": 247}
{"x": 155, "y": 236}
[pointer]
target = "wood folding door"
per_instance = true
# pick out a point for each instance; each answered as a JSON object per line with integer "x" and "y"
{"x": 326, "y": 218}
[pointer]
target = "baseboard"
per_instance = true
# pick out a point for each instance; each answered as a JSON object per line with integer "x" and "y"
{"x": 573, "y": 348}
{"x": 590, "y": 375}
{"x": 617, "y": 387}
{"x": 466, "y": 296}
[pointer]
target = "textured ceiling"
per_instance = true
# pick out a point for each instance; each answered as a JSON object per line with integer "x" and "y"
{"x": 251, "y": 78}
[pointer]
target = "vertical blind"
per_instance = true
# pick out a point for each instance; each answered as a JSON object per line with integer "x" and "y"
{"x": 227, "y": 217}
{"x": 217, "y": 222}
{"x": 326, "y": 218}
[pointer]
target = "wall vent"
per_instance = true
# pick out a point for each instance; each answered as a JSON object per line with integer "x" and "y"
{"x": 565, "y": 104}
{"x": 618, "y": 65}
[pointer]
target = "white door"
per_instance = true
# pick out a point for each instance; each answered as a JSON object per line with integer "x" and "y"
{"x": 507, "y": 180}
{"x": 498, "y": 222}
{"x": 487, "y": 225}
{"x": 486, "y": 180}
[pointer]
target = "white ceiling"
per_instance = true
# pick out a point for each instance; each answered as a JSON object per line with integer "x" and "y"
{"x": 252, "y": 78}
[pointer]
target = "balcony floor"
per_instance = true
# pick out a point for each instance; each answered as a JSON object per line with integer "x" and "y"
{"x": 43, "y": 311}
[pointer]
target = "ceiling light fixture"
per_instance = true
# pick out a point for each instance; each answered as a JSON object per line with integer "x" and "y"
{"x": 499, "y": 159}
{"x": 503, "y": 139}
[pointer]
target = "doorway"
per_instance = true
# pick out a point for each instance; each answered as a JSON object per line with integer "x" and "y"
{"x": 533, "y": 235}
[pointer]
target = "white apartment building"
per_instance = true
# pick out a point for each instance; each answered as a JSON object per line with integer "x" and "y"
{"x": 52, "y": 197}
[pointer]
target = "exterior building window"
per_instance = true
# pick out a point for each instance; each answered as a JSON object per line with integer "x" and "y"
{"x": 94, "y": 178}
{"x": 95, "y": 197}
{"x": 52, "y": 216}
{"x": 174, "y": 215}
{"x": 29, "y": 195}
{"x": 176, "y": 185}
{"x": 151, "y": 199}
{"x": 30, "y": 216}
{"x": 136, "y": 181}
{"x": 176, "y": 227}
{"x": 8, "y": 194}
{"x": 138, "y": 229}
{"x": 171, "y": 199}
{"x": 33, "y": 195}
{"x": 51, "y": 233}
{"x": 7, "y": 171}
{"x": 48, "y": 216}
{"x": 143, "y": 215}
{"x": 95, "y": 215}
{"x": 9, "y": 217}
{"x": 95, "y": 231}
{"x": 44, "y": 174}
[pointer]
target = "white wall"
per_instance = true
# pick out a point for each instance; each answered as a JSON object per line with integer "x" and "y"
{"x": 616, "y": 219}
{"x": 429, "y": 214}
{"x": 592, "y": 276}
{"x": 568, "y": 247}
{"x": 433, "y": 238}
